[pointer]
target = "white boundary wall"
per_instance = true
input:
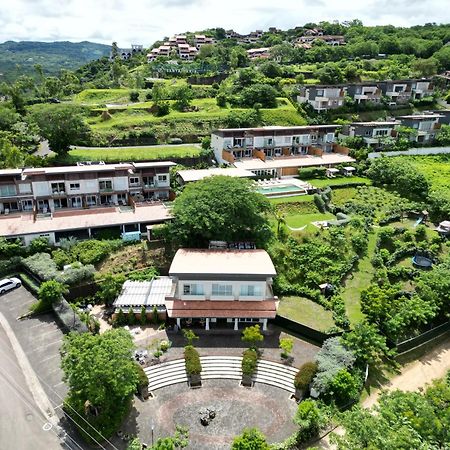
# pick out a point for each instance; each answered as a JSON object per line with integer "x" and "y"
{"x": 423, "y": 151}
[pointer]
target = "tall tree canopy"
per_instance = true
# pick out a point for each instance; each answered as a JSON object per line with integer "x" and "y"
{"x": 102, "y": 378}
{"x": 219, "y": 208}
{"x": 62, "y": 125}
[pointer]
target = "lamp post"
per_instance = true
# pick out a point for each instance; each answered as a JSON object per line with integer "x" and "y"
{"x": 153, "y": 428}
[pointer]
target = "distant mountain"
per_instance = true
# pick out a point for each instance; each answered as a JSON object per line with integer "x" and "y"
{"x": 19, "y": 58}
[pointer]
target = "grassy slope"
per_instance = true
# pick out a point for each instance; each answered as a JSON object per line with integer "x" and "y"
{"x": 306, "y": 312}
{"x": 134, "y": 154}
{"x": 299, "y": 220}
{"x": 322, "y": 182}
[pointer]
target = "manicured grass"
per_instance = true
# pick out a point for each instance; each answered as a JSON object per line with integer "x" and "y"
{"x": 306, "y": 312}
{"x": 293, "y": 199}
{"x": 134, "y": 154}
{"x": 299, "y": 220}
{"x": 322, "y": 182}
{"x": 357, "y": 281}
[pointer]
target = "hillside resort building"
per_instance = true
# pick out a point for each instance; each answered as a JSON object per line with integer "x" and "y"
{"x": 212, "y": 288}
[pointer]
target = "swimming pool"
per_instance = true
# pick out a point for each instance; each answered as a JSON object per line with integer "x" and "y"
{"x": 286, "y": 188}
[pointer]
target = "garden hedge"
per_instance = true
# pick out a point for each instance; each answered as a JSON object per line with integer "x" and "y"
{"x": 305, "y": 375}
{"x": 192, "y": 360}
{"x": 249, "y": 361}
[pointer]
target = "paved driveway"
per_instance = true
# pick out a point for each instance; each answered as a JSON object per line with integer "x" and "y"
{"x": 40, "y": 338}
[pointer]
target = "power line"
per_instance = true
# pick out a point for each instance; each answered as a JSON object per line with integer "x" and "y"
{"x": 68, "y": 415}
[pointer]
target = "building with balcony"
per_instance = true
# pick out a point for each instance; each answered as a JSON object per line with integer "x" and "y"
{"x": 48, "y": 197}
{"x": 221, "y": 287}
{"x": 321, "y": 97}
{"x": 374, "y": 134}
{"x": 254, "y": 53}
{"x": 426, "y": 126}
{"x": 364, "y": 93}
{"x": 200, "y": 40}
{"x": 278, "y": 151}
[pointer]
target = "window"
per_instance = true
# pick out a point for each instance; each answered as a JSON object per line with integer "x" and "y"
{"x": 91, "y": 200}
{"x": 27, "y": 205}
{"x": 74, "y": 186}
{"x": 193, "y": 289}
{"x": 162, "y": 177}
{"x": 251, "y": 290}
{"x": 6, "y": 190}
{"x": 105, "y": 185}
{"x": 134, "y": 181}
{"x": 58, "y": 187}
{"x": 368, "y": 133}
{"x": 222, "y": 289}
{"x": 320, "y": 93}
{"x": 148, "y": 181}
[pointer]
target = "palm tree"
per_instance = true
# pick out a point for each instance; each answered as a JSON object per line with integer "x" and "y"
{"x": 281, "y": 220}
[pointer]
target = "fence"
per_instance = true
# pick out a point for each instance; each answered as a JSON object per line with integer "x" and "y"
{"x": 424, "y": 151}
{"x": 303, "y": 330}
{"x": 409, "y": 344}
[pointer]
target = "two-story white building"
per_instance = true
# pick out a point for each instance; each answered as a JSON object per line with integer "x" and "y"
{"x": 221, "y": 287}
{"x": 278, "y": 151}
{"x": 426, "y": 126}
{"x": 52, "y": 201}
{"x": 322, "y": 98}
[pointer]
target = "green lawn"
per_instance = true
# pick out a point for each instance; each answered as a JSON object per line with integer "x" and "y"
{"x": 322, "y": 182}
{"x": 300, "y": 220}
{"x": 135, "y": 154}
{"x": 306, "y": 312}
{"x": 357, "y": 281}
{"x": 436, "y": 169}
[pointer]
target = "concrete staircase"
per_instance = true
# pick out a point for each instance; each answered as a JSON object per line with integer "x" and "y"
{"x": 221, "y": 367}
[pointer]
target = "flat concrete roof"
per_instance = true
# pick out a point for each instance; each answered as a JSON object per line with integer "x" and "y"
{"x": 196, "y": 175}
{"x": 422, "y": 116}
{"x": 376, "y": 124}
{"x": 20, "y": 225}
{"x": 222, "y": 262}
{"x": 275, "y": 128}
{"x": 301, "y": 161}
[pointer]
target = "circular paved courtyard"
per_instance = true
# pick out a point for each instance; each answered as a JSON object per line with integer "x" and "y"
{"x": 262, "y": 406}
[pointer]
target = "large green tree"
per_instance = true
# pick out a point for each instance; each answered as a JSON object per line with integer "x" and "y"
{"x": 219, "y": 208}
{"x": 102, "y": 377}
{"x": 62, "y": 125}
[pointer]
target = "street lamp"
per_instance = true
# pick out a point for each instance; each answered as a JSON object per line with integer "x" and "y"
{"x": 153, "y": 428}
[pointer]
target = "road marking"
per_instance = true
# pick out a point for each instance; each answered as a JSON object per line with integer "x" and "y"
{"x": 40, "y": 324}
{"x": 48, "y": 332}
{"x": 44, "y": 346}
{"x": 58, "y": 384}
{"x": 59, "y": 406}
{"x": 49, "y": 357}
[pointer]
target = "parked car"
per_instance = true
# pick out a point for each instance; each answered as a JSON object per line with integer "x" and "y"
{"x": 9, "y": 283}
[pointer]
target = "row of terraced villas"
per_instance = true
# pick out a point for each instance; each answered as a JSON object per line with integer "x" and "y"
{"x": 80, "y": 200}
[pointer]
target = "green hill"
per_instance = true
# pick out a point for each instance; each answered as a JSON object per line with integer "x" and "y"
{"x": 19, "y": 58}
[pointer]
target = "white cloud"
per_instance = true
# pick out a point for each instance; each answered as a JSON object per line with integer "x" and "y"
{"x": 144, "y": 21}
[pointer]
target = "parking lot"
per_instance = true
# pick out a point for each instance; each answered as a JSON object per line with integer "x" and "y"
{"x": 40, "y": 338}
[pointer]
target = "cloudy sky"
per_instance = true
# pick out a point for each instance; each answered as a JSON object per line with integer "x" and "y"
{"x": 144, "y": 21}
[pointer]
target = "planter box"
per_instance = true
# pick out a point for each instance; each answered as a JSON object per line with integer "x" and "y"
{"x": 299, "y": 394}
{"x": 247, "y": 380}
{"x": 195, "y": 380}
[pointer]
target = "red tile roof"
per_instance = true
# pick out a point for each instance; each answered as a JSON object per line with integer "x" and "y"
{"x": 258, "y": 309}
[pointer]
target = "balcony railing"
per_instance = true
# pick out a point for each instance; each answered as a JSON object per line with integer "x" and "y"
{"x": 106, "y": 189}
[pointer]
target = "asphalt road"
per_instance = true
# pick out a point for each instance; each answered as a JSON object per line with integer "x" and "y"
{"x": 21, "y": 421}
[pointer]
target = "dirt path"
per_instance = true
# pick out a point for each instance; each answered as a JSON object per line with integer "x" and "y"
{"x": 418, "y": 373}
{"x": 413, "y": 376}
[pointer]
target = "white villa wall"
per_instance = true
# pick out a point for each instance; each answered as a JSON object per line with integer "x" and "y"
{"x": 424, "y": 151}
{"x": 207, "y": 289}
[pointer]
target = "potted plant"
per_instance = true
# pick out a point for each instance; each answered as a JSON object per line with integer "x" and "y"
{"x": 249, "y": 363}
{"x": 303, "y": 379}
{"x": 193, "y": 366}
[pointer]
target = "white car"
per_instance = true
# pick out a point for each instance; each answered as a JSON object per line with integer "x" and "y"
{"x": 9, "y": 283}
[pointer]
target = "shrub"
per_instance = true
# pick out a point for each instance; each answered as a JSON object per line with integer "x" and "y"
{"x": 120, "y": 318}
{"x": 142, "y": 378}
{"x": 51, "y": 292}
{"x": 29, "y": 283}
{"x": 286, "y": 346}
{"x": 318, "y": 200}
{"x": 345, "y": 386}
{"x": 310, "y": 418}
{"x": 9, "y": 248}
{"x": 94, "y": 251}
{"x": 249, "y": 361}
{"x": 164, "y": 345}
{"x": 305, "y": 375}
{"x": 39, "y": 245}
{"x": 77, "y": 274}
{"x": 312, "y": 172}
{"x": 163, "y": 109}
{"x": 41, "y": 265}
{"x": 252, "y": 335}
{"x": 155, "y": 315}
{"x": 61, "y": 258}
{"x": 192, "y": 360}
{"x": 131, "y": 317}
{"x": 143, "y": 319}
{"x": 221, "y": 100}
{"x": 134, "y": 96}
